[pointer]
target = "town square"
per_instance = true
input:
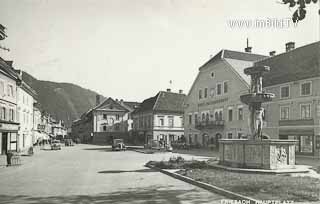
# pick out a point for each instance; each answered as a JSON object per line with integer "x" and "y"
{"x": 169, "y": 101}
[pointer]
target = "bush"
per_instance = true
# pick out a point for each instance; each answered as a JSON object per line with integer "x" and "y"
{"x": 178, "y": 159}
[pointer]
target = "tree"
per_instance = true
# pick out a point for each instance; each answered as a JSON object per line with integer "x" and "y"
{"x": 300, "y": 5}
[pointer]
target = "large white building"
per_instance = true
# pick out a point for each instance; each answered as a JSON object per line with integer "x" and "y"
{"x": 25, "y": 100}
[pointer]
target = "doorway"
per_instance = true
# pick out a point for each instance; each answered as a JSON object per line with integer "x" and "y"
{"x": 4, "y": 143}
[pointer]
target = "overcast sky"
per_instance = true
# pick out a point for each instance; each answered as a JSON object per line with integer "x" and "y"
{"x": 131, "y": 49}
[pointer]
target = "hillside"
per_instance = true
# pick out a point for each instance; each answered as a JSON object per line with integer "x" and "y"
{"x": 64, "y": 101}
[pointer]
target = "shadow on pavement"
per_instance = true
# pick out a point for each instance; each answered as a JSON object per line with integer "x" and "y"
{"x": 150, "y": 195}
{"x": 123, "y": 171}
{"x": 102, "y": 149}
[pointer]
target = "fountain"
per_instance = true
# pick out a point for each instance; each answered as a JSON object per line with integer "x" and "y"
{"x": 257, "y": 151}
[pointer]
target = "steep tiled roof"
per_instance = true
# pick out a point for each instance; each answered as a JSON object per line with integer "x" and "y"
{"x": 171, "y": 102}
{"x": 300, "y": 63}
{"x": 236, "y": 55}
{"x": 132, "y": 105}
{"x": 163, "y": 102}
{"x": 147, "y": 104}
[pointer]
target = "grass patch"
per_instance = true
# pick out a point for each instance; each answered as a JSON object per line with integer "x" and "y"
{"x": 260, "y": 186}
{"x": 179, "y": 163}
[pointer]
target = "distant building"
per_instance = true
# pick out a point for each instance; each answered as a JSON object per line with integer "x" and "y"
{"x": 213, "y": 109}
{"x": 295, "y": 112}
{"x": 26, "y": 97}
{"x": 159, "y": 118}
{"x": 107, "y": 120}
{"x": 9, "y": 126}
{"x": 59, "y": 131}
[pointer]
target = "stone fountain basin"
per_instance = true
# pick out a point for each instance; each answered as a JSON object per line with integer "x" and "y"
{"x": 257, "y": 154}
{"x": 256, "y": 98}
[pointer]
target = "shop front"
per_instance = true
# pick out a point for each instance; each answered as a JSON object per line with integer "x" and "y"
{"x": 306, "y": 140}
{"x": 8, "y": 137}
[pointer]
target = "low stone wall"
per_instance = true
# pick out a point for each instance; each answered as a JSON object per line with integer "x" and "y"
{"x": 260, "y": 154}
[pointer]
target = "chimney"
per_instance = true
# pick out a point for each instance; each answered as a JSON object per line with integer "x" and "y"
{"x": 117, "y": 100}
{"x": 290, "y": 46}
{"x": 180, "y": 91}
{"x": 272, "y": 53}
{"x": 121, "y": 101}
{"x": 168, "y": 90}
{"x": 97, "y": 99}
{"x": 248, "y": 49}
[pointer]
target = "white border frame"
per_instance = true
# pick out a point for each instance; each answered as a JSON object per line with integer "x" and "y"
{"x": 282, "y": 86}
{"x": 305, "y": 82}
{"x": 284, "y": 106}
{"x": 310, "y": 104}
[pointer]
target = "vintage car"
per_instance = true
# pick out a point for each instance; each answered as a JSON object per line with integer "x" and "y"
{"x": 118, "y": 145}
{"x": 55, "y": 145}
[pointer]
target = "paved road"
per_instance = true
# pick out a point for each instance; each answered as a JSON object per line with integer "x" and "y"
{"x": 94, "y": 174}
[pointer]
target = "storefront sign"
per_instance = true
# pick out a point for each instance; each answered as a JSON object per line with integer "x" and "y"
{"x": 8, "y": 127}
{"x": 213, "y": 102}
{"x": 318, "y": 142}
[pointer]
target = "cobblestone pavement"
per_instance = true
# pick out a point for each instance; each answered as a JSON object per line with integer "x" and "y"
{"x": 94, "y": 174}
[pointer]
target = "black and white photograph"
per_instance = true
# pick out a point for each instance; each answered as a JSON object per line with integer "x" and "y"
{"x": 159, "y": 102}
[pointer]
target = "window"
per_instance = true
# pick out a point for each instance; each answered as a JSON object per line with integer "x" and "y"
{"x": 182, "y": 121}
{"x": 240, "y": 135}
{"x": 3, "y": 113}
{"x": 240, "y": 113}
{"x": 205, "y": 92}
{"x": 207, "y": 117}
{"x": 170, "y": 121}
{"x": 284, "y": 113}
{"x": 219, "y": 89}
{"x": 212, "y": 90}
{"x": 195, "y": 118}
{"x": 212, "y": 74}
{"x": 161, "y": 121}
{"x": 305, "y": 89}
{"x": 203, "y": 116}
{"x": 306, "y": 144}
{"x": 117, "y": 116}
{"x": 200, "y": 94}
{"x": 11, "y": 115}
{"x": 305, "y": 110}
{"x": 10, "y": 90}
{"x": 285, "y": 92}
{"x": 229, "y": 135}
{"x": 1, "y": 88}
{"x": 190, "y": 119}
{"x": 104, "y": 127}
{"x": 230, "y": 114}
{"x": 105, "y": 116}
{"x": 225, "y": 87}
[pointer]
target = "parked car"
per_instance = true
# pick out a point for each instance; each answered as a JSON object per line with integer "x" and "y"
{"x": 118, "y": 145}
{"x": 68, "y": 142}
{"x": 55, "y": 145}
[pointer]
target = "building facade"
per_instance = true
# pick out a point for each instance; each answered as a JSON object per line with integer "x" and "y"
{"x": 295, "y": 111}
{"x": 9, "y": 126}
{"x": 103, "y": 123}
{"x": 159, "y": 118}
{"x": 213, "y": 109}
{"x": 25, "y": 100}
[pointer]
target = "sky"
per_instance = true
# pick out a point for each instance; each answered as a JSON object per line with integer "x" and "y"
{"x": 131, "y": 49}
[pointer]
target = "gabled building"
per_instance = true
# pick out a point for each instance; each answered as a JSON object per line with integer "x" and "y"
{"x": 106, "y": 121}
{"x": 26, "y": 98}
{"x": 159, "y": 118}
{"x": 9, "y": 126}
{"x": 213, "y": 109}
{"x": 295, "y": 111}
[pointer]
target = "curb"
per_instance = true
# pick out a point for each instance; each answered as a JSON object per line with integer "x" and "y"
{"x": 209, "y": 187}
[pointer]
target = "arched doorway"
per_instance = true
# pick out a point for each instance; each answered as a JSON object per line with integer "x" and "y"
{"x": 218, "y": 137}
{"x": 205, "y": 139}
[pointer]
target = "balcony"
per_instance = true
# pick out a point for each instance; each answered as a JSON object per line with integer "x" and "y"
{"x": 210, "y": 124}
{"x": 296, "y": 122}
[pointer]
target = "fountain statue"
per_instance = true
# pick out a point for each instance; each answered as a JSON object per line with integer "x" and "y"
{"x": 257, "y": 151}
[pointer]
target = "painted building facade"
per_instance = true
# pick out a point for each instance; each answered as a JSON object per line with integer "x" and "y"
{"x": 9, "y": 125}
{"x": 295, "y": 112}
{"x": 160, "y": 118}
{"x": 213, "y": 109}
{"x": 108, "y": 120}
{"x": 25, "y": 100}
